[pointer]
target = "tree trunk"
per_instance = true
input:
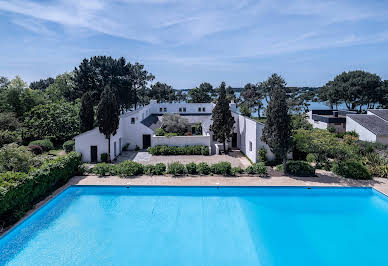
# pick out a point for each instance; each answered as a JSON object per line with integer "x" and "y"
{"x": 284, "y": 163}
{"x": 258, "y": 111}
{"x": 109, "y": 149}
{"x": 225, "y": 151}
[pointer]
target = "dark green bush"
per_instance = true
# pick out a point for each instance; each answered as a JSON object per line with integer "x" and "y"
{"x": 7, "y": 137}
{"x": 103, "y": 169}
{"x": 203, "y": 169}
{"x": 68, "y": 146}
{"x": 160, "y": 169}
{"x": 257, "y": 169}
{"x": 160, "y": 132}
{"x": 19, "y": 191}
{"x": 236, "y": 171}
{"x": 311, "y": 158}
{"x": 149, "y": 169}
{"x": 104, "y": 157}
{"x": 35, "y": 149}
{"x": 46, "y": 144}
{"x": 176, "y": 169}
{"x": 126, "y": 146}
{"x": 15, "y": 158}
{"x": 299, "y": 168}
{"x": 191, "y": 168}
{"x": 137, "y": 148}
{"x": 175, "y": 150}
{"x": 221, "y": 168}
{"x": 129, "y": 168}
{"x": 351, "y": 169}
{"x": 263, "y": 155}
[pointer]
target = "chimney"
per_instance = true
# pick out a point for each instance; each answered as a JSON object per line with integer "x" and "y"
{"x": 233, "y": 106}
{"x": 335, "y": 113}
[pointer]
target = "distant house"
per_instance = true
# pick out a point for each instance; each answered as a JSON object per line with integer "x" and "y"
{"x": 372, "y": 126}
{"x": 137, "y": 129}
{"x": 325, "y": 119}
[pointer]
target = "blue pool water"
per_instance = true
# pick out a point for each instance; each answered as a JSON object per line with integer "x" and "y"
{"x": 203, "y": 226}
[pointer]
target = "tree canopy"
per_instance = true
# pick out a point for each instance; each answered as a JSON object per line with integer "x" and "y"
{"x": 201, "y": 94}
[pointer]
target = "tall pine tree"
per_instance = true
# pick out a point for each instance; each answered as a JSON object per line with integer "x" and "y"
{"x": 86, "y": 112}
{"x": 108, "y": 114}
{"x": 223, "y": 121}
{"x": 277, "y": 129}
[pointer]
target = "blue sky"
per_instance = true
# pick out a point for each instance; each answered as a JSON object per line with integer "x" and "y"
{"x": 184, "y": 43}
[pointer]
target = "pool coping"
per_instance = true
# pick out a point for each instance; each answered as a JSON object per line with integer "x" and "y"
{"x": 69, "y": 185}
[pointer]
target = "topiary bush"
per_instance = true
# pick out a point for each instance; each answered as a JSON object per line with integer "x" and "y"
{"x": 35, "y": 149}
{"x": 46, "y": 144}
{"x": 175, "y": 150}
{"x": 205, "y": 150}
{"x": 236, "y": 171}
{"x": 160, "y": 169}
{"x": 129, "y": 168}
{"x": 149, "y": 169}
{"x": 68, "y": 146}
{"x": 299, "y": 168}
{"x": 257, "y": 169}
{"x": 104, "y": 157}
{"x": 351, "y": 169}
{"x": 191, "y": 168}
{"x": 176, "y": 169}
{"x": 203, "y": 169}
{"x": 103, "y": 169}
{"x": 221, "y": 168}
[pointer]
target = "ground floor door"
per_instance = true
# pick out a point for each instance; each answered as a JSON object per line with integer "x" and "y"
{"x": 234, "y": 140}
{"x": 115, "y": 149}
{"x": 146, "y": 141}
{"x": 93, "y": 154}
{"x": 120, "y": 149}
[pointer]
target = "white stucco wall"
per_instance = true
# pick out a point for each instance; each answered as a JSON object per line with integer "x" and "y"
{"x": 180, "y": 140}
{"x": 364, "y": 134}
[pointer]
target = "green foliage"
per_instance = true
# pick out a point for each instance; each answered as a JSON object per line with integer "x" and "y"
{"x": 244, "y": 110}
{"x": 223, "y": 121}
{"x": 45, "y": 144}
{"x": 137, "y": 148}
{"x": 104, "y": 157}
{"x": 126, "y": 147}
{"x": 103, "y": 169}
{"x": 59, "y": 120}
{"x": 201, "y": 94}
{"x": 203, "y": 169}
{"x": 68, "y": 146}
{"x": 176, "y": 169}
{"x": 299, "y": 121}
{"x": 160, "y": 169}
{"x": 35, "y": 149}
{"x": 299, "y": 168}
{"x": 221, "y": 168}
{"x": 253, "y": 96}
{"x": 381, "y": 171}
{"x": 15, "y": 158}
{"x": 129, "y": 168}
{"x": 191, "y": 168}
{"x": 19, "y": 191}
{"x": 149, "y": 169}
{"x": 257, "y": 169}
{"x": 160, "y": 132}
{"x": 277, "y": 129}
{"x": 175, "y": 123}
{"x": 311, "y": 158}
{"x": 86, "y": 112}
{"x": 7, "y": 137}
{"x": 236, "y": 171}
{"x": 161, "y": 92}
{"x": 175, "y": 150}
{"x": 351, "y": 169}
{"x": 9, "y": 121}
{"x": 262, "y": 155}
{"x": 42, "y": 84}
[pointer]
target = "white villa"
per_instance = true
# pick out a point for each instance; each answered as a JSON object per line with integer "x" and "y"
{"x": 137, "y": 128}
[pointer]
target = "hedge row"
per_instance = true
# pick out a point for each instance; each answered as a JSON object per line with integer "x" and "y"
{"x": 20, "y": 191}
{"x": 130, "y": 168}
{"x": 175, "y": 150}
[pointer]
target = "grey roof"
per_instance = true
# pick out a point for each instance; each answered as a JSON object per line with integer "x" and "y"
{"x": 155, "y": 121}
{"x": 373, "y": 123}
{"x": 382, "y": 113}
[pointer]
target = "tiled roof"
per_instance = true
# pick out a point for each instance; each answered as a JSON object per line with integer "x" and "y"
{"x": 382, "y": 113}
{"x": 373, "y": 123}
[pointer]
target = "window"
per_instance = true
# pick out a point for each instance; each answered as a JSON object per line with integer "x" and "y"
{"x": 160, "y": 109}
{"x": 184, "y": 109}
{"x": 199, "y": 109}
{"x": 132, "y": 120}
{"x": 203, "y": 109}
{"x": 250, "y": 146}
{"x": 180, "y": 109}
{"x": 214, "y": 138}
{"x": 165, "y": 109}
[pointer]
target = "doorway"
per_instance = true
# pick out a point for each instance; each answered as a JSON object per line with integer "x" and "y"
{"x": 93, "y": 154}
{"x": 234, "y": 140}
{"x": 146, "y": 141}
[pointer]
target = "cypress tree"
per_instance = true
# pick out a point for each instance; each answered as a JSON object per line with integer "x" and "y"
{"x": 277, "y": 129}
{"x": 86, "y": 113}
{"x": 223, "y": 121}
{"x": 108, "y": 114}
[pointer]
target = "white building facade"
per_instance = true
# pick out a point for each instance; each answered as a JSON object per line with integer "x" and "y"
{"x": 137, "y": 129}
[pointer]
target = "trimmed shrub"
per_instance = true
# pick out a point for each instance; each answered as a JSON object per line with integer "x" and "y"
{"x": 257, "y": 169}
{"x": 191, "y": 168}
{"x": 311, "y": 158}
{"x": 104, "y": 157}
{"x": 19, "y": 191}
{"x": 149, "y": 169}
{"x": 15, "y": 158}
{"x": 160, "y": 169}
{"x": 263, "y": 155}
{"x": 160, "y": 132}
{"x": 103, "y": 169}
{"x": 35, "y": 149}
{"x": 351, "y": 169}
{"x": 236, "y": 171}
{"x": 46, "y": 144}
{"x": 176, "y": 169}
{"x": 129, "y": 168}
{"x": 299, "y": 168}
{"x": 7, "y": 137}
{"x": 126, "y": 146}
{"x": 203, "y": 169}
{"x": 175, "y": 150}
{"x": 221, "y": 168}
{"x": 68, "y": 146}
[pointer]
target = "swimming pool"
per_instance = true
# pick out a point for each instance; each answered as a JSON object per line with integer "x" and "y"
{"x": 86, "y": 225}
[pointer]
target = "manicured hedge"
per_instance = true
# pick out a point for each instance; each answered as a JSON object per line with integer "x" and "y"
{"x": 221, "y": 168}
{"x": 68, "y": 146}
{"x": 129, "y": 168}
{"x": 257, "y": 169}
{"x": 351, "y": 169}
{"x": 46, "y": 144}
{"x": 175, "y": 150}
{"x": 299, "y": 168}
{"x": 20, "y": 191}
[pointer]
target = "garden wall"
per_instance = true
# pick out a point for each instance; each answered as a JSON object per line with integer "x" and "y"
{"x": 181, "y": 140}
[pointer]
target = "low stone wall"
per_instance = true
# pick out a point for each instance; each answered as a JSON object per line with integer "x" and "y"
{"x": 181, "y": 140}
